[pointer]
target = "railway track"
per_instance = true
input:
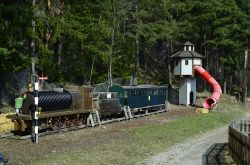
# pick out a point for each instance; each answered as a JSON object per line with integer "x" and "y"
{"x": 217, "y": 154}
{"x": 24, "y": 137}
{"x": 93, "y": 123}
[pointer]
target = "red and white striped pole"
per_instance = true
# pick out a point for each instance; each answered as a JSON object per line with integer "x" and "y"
{"x": 36, "y": 112}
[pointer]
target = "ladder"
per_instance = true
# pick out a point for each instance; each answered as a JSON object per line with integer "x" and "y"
{"x": 94, "y": 119}
{"x": 167, "y": 106}
{"x": 127, "y": 112}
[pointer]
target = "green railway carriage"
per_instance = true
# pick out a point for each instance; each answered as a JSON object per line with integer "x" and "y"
{"x": 141, "y": 96}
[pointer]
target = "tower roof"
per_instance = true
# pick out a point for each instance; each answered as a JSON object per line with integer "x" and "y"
{"x": 188, "y": 44}
{"x": 183, "y": 54}
{"x": 187, "y": 52}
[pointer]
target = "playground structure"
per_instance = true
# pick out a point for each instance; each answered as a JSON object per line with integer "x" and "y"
{"x": 214, "y": 98}
{"x": 186, "y": 63}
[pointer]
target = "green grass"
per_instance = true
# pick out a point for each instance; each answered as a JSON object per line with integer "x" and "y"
{"x": 163, "y": 136}
{"x": 141, "y": 142}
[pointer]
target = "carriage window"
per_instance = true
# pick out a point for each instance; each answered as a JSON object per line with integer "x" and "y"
{"x": 109, "y": 95}
{"x": 125, "y": 94}
{"x": 161, "y": 92}
{"x": 143, "y": 92}
{"x": 149, "y": 92}
{"x": 139, "y": 92}
{"x": 155, "y": 92}
{"x": 186, "y": 62}
{"x": 133, "y": 93}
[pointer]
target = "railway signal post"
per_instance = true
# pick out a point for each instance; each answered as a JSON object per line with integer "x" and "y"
{"x": 35, "y": 113}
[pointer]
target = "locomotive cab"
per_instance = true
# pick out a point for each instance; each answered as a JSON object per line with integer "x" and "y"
{"x": 107, "y": 103}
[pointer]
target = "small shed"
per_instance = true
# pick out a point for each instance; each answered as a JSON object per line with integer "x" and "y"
{"x": 184, "y": 61}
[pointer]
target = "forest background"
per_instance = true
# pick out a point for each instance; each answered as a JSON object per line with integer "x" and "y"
{"x": 92, "y": 41}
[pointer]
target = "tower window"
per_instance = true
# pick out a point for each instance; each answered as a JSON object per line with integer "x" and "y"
{"x": 186, "y": 62}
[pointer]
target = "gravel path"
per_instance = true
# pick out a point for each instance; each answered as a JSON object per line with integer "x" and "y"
{"x": 190, "y": 153}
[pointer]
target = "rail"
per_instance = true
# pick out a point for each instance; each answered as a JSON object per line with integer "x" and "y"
{"x": 73, "y": 128}
{"x": 239, "y": 141}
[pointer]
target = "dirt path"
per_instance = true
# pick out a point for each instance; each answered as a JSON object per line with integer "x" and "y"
{"x": 190, "y": 153}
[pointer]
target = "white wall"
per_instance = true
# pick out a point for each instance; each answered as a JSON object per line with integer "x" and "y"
{"x": 186, "y": 69}
{"x": 186, "y": 85}
{"x": 197, "y": 61}
{"x": 176, "y": 68}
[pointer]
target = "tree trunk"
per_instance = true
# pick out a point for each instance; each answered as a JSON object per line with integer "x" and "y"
{"x": 225, "y": 82}
{"x": 110, "y": 81}
{"x": 59, "y": 54}
{"x": 124, "y": 27}
{"x": 49, "y": 5}
{"x": 137, "y": 52}
{"x": 91, "y": 71}
{"x": 59, "y": 12}
{"x": 33, "y": 49}
{"x": 48, "y": 29}
{"x": 146, "y": 65}
{"x": 245, "y": 78}
{"x": 169, "y": 64}
{"x": 225, "y": 86}
{"x": 230, "y": 83}
{"x": 207, "y": 68}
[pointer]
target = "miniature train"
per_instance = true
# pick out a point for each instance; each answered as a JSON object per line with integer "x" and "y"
{"x": 73, "y": 105}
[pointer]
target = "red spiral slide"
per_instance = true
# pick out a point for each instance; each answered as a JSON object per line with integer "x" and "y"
{"x": 211, "y": 101}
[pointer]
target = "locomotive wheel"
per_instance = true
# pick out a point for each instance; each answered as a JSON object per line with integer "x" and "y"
{"x": 66, "y": 121}
{"x": 82, "y": 119}
{"x": 54, "y": 123}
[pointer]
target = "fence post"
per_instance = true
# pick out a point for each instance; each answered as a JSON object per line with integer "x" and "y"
{"x": 245, "y": 126}
{"x": 241, "y": 125}
{"x": 248, "y": 126}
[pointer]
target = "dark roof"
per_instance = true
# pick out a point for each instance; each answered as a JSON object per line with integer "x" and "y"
{"x": 187, "y": 53}
{"x": 188, "y": 44}
{"x": 145, "y": 86}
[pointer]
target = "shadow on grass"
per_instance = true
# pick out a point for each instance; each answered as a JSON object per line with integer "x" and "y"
{"x": 217, "y": 153}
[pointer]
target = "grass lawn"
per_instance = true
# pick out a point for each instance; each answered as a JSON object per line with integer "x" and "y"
{"x": 133, "y": 145}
